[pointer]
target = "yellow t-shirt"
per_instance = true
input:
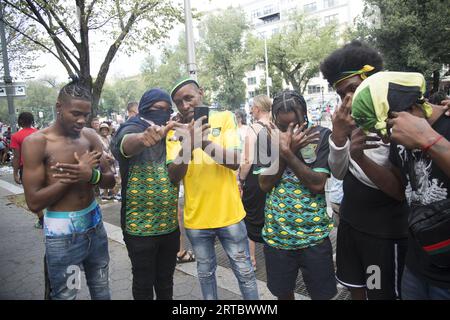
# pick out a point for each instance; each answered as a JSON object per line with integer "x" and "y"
{"x": 211, "y": 192}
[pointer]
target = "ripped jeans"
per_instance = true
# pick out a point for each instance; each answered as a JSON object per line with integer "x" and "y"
{"x": 235, "y": 243}
{"x": 67, "y": 255}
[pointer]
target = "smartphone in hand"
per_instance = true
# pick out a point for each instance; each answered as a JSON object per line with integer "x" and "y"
{"x": 200, "y": 112}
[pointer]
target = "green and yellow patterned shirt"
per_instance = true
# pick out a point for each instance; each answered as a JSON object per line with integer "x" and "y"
{"x": 295, "y": 218}
{"x": 149, "y": 199}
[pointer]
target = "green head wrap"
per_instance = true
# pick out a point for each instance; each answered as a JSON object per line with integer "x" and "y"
{"x": 387, "y": 91}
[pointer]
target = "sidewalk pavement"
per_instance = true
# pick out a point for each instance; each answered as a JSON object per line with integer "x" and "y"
{"x": 22, "y": 251}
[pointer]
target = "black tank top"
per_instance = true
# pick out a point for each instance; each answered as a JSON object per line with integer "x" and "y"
{"x": 254, "y": 200}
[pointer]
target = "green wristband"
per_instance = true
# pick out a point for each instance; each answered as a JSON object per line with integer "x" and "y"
{"x": 96, "y": 176}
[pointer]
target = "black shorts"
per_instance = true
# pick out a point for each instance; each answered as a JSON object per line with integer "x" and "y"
{"x": 315, "y": 263}
{"x": 254, "y": 232}
{"x": 366, "y": 261}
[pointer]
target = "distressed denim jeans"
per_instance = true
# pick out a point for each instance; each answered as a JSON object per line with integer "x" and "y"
{"x": 235, "y": 243}
{"x": 67, "y": 255}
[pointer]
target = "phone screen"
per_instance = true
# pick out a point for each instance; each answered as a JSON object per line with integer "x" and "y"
{"x": 200, "y": 112}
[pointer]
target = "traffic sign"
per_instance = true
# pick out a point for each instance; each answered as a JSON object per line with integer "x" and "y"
{"x": 18, "y": 89}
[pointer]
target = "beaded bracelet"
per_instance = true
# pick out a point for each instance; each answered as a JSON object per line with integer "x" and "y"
{"x": 96, "y": 176}
{"x": 427, "y": 147}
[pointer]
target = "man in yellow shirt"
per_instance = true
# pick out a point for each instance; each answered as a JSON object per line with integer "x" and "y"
{"x": 205, "y": 159}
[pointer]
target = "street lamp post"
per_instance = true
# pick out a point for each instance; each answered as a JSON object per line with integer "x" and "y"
{"x": 267, "y": 65}
{"x": 321, "y": 90}
{"x": 191, "y": 65}
{"x": 8, "y": 79}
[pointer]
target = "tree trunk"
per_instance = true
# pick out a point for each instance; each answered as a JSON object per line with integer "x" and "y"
{"x": 436, "y": 78}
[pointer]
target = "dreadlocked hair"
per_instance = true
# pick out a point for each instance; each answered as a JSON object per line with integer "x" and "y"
{"x": 74, "y": 90}
{"x": 289, "y": 101}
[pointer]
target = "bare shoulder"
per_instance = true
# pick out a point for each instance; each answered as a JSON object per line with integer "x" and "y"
{"x": 90, "y": 134}
{"x": 34, "y": 147}
{"x": 36, "y": 139}
{"x": 93, "y": 138}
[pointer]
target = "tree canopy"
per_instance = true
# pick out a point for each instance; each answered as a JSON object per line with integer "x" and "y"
{"x": 222, "y": 56}
{"x": 412, "y": 35}
{"x": 65, "y": 29}
{"x": 296, "y": 51}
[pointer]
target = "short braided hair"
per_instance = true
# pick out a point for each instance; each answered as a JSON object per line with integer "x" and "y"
{"x": 74, "y": 90}
{"x": 289, "y": 101}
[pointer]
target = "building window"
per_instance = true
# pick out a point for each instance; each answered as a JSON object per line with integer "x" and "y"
{"x": 270, "y": 19}
{"x": 251, "y": 81}
{"x": 329, "y": 3}
{"x": 251, "y": 94}
{"x": 314, "y": 89}
{"x": 310, "y": 7}
{"x": 330, "y": 88}
{"x": 268, "y": 10}
{"x": 331, "y": 18}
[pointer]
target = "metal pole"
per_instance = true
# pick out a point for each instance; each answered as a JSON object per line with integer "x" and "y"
{"x": 191, "y": 65}
{"x": 267, "y": 66}
{"x": 7, "y": 77}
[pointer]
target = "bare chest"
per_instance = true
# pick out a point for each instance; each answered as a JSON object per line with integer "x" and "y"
{"x": 63, "y": 150}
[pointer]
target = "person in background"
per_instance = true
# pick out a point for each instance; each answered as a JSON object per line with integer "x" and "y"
{"x": 253, "y": 198}
{"x": 105, "y": 138}
{"x": 132, "y": 109}
{"x": 241, "y": 120}
{"x": 335, "y": 195}
{"x": 95, "y": 124}
{"x": 184, "y": 255}
{"x": 3, "y": 150}
{"x": 26, "y": 122}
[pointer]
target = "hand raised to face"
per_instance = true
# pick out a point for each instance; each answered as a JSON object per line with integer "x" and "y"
{"x": 343, "y": 123}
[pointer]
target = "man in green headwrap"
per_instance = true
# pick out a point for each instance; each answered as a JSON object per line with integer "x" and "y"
{"x": 392, "y": 104}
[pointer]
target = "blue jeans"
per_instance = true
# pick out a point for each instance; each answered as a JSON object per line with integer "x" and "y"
{"x": 67, "y": 255}
{"x": 235, "y": 243}
{"x": 414, "y": 288}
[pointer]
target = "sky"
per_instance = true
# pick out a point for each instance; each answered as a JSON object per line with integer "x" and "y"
{"x": 123, "y": 65}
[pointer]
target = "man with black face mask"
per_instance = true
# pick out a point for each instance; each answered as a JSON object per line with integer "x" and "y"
{"x": 149, "y": 200}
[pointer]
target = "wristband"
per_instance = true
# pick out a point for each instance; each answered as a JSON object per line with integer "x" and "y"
{"x": 427, "y": 147}
{"x": 96, "y": 176}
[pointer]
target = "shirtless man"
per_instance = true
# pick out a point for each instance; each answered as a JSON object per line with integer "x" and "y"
{"x": 60, "y": 173}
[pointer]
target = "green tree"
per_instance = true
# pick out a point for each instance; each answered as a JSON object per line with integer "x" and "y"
{"x": 223, "y": 57}
{"x": 171, "y": 67}
{"x": 118, "y": 93}
{"x": 412, "y": 35}
{"x": 22, "y": 53}
{"x": 41, "y": 97}
{"x": 64, "y": 28}
{"x": 277, "y": 83}
{"x": 296, "y": 51}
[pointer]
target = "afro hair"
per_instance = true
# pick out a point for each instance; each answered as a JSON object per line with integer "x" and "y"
{"x": 352, "y": 56}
